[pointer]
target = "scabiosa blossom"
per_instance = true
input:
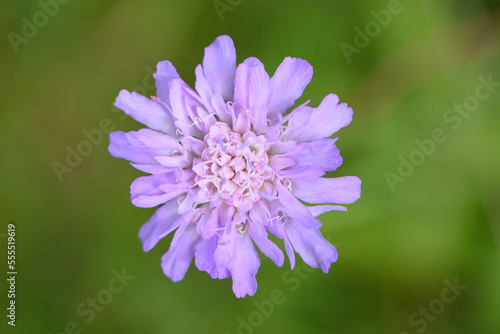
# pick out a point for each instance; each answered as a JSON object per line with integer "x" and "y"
{"x": 228, "y": 166}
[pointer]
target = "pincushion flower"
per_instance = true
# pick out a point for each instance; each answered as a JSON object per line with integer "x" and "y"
{"x": 229, "y": 165}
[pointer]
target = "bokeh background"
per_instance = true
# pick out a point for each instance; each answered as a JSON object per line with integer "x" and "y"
{"x": 397, "y": 246}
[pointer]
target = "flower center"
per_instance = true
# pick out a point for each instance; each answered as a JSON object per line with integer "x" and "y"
{"x": 233, "y": 167}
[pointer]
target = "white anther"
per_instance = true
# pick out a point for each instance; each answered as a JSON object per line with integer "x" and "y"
{"x": 282, "y": 218}
{"x": 242, "y": 227}
{"x": 288, "y": 184}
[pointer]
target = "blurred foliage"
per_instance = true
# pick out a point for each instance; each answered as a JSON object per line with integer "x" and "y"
{"x": 396, "y": 248}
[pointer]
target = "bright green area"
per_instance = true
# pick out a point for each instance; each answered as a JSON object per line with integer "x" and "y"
{"x": 396, "y": 247}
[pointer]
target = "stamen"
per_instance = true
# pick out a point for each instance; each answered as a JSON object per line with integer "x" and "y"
{"x": 196, "y": 121}
{"x": 288, "y": 184}
{"x": 272, "y": 219}
{"x": 283, "y": 219}
{"x": 199, "y": 120}
{"x": 157, "y": 99}
{"x": 242, "y": 228}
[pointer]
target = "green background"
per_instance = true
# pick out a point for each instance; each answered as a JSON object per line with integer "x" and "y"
{"x": 396, "y": 248}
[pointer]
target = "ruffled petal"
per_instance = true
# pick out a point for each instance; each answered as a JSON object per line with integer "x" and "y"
{"x": 260, "y": 213}
{"x": 203, "y": 88}
{"x": 150, "y": 191}
{"x": 223, "y": 110}
{"x": 226, "y": 214}
{"x": 279, "y": 162}
{"x": 145, "y": 111}
{"x": 341, "y": 190}
{"x": 298, "y": 118}
{"x": 204, "y": 258}
{"x": 270, "y": 213}
{"x": 175, "y": 161}
{"x": 188, "y": 204}
{"x": 324, "y": 121}
{"x": 224, "y": 251}
{"x": 165, "y": 72}
{"x": 321, "y": 154}
{"x": 275, "y": 224}
{"x": 161, "y": 223}
{"x": 244, "y": 266}
{"x": 266, "y": 246}
{"x": 134, "y": 146}
{"x": 177, "y": 260}
{"x": 144, "y": 184}
{"x": 219, "y": 66}
{"x": 204, "y": 254}
{"x": 209, "y": 223}
{"x": 188, "y": 219}
{"x": 287, "y": 85}
{"x": 194, "y": 145}
{"x": 294, "y": 208}
{"x": 154, "y": 139}
{"x": 251, "y": 94}
{"x": 310, "y": 244}
{"x": 236, "y": 253}
{"x": 190, "y": 114}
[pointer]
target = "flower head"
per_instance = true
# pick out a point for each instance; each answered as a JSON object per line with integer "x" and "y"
{"x": 228, "y": 166}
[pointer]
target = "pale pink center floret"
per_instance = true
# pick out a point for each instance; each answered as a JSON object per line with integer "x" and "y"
{"x": 233, "y": 167}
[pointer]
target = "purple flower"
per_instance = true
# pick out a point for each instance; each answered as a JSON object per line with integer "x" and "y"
{"x": 228, "y": 167}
